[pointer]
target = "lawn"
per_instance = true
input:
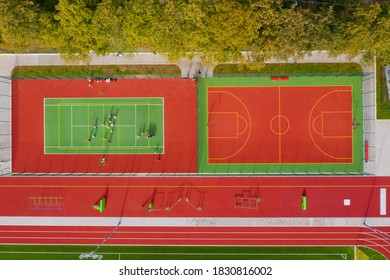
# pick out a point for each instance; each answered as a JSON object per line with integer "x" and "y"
{"x": 289, "y": 68}
{"x": 83, "y": 71}
{"x": 62, "y": 252}
{"x": 382, "y": 98}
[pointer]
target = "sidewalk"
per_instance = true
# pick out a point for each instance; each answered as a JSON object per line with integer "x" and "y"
{"x": 192, "y": 222}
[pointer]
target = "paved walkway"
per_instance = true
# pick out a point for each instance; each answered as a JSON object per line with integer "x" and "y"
{"x": 375, "y": 132}
{"x": 192, "y": 222}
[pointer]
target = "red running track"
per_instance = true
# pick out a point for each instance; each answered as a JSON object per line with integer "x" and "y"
{"x": 193, "y": 197}
{"x": 126, "y": 196}
{"x": 238, "y": 236}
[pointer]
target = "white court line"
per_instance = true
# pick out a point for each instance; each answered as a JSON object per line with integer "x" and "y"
{"x": 163, "y": 128}
{"x": 44, "y": 125}
{"x": 113, "y": 147}
{"x": 383, "y": 201}
{"x": 122, "y": 125}
{"x": 71, "y": 125}
{"x": 133, "y": 104}
{"x": 343, "y": 256}
{"x": 135, "y": 127}
{"x": 95, "y": 105}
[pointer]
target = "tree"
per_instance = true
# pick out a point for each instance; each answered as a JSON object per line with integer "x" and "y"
{"x": 216, "y": 30}
{"x": 177, "y": 27}
{"x": 138, "y": 17}
{"x": 107, "y": 27}
{"x": 363, "y": 30}
{"x": 19, "y": 25}
{"x": 270, "y": 19}
{"x": 229, "y": 28}
{"x": 74, "y": 20}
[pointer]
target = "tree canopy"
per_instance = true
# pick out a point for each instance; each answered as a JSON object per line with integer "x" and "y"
{"x": 216, "y": 30}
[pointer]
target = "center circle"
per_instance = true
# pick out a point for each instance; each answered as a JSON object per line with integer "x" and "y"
{"x": 279, "y": 124}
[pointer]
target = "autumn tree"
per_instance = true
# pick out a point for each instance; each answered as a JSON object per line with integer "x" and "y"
{"x": 137, "y": 22}
{"x": 20, "y": 25}
{"x": 216, "y": 30}
{"x": 177, "y": 27}
{"x": 363, "y": 30}
{"x": 74, "y": 25}
{"x": 106, "y": 27}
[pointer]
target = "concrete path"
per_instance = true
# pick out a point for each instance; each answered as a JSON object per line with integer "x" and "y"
{"x": 382, "y": 151}
{"x": 192, "y": 222}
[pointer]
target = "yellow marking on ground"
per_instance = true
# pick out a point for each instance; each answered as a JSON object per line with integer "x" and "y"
{"x": 149, "y": 104}
{"x": 249, "y": 126}
{"x": 226, "y": 137}
{"x": 148, "y": 123}
{"x": 117, "y": 119}
{"x": 102, "y": 147}
{"x": 59, "y": 134}
{"x": 89, "y": 134}
{"x": 99, "y": 104}
{"x": 103, "y": 127}
{"x": 280, "y": 125}
{"x": 246, "y": 125}
{"x": 280, "y": 133}
{"x": 311, "y": 124}
{"x": 284, "y": 163}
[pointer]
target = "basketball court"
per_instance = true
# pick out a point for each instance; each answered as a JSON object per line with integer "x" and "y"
{"x": 280, "y": 127}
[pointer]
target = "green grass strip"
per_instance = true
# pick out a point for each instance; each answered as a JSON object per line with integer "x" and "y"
{"x": 83, "y": 71}
{"x": 382, "y": 97}
{"x": 371, "y": 254}
{"x": 72, "y": 252}
{"x": 287, "y": 68}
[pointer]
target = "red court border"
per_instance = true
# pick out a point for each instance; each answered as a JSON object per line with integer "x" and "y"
{"x": 180, "y": 132}
{"x": 280, "y": 125}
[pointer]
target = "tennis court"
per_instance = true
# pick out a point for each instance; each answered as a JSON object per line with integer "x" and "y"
{"x": 298, "y": 125}
{"x": 104, "y": 125}
{"x": 137, "y": 125}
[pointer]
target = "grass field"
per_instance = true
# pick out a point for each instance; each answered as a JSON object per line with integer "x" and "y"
{"x": 104, "y": 125}
{"x": 54, "y": 252}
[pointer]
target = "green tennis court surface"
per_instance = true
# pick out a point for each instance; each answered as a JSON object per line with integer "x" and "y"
{"x": 104, "y": 125}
